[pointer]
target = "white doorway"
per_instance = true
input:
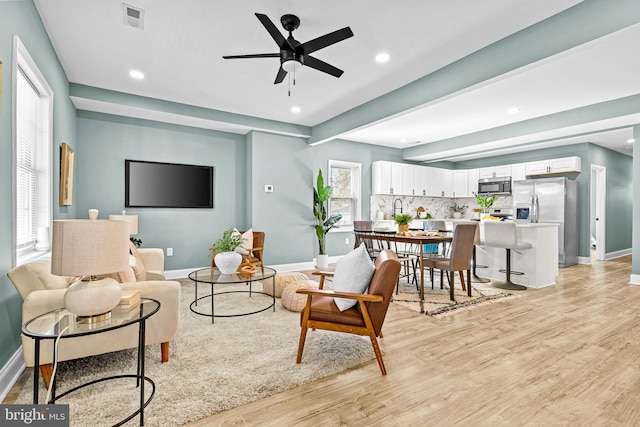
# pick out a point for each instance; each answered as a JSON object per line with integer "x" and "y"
{"x": 597, "y": 210}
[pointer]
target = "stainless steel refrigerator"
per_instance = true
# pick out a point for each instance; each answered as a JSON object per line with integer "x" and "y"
{"x": 552, "y": 200}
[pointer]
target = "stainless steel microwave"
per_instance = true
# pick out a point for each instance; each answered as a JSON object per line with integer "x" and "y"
{"x": 495, "y": 185}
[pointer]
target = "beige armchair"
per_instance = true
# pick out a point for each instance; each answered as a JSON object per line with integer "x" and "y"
{"x": 42, "y": 291}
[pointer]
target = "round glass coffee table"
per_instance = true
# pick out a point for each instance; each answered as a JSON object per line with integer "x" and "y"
{"x": 213, "y": 277}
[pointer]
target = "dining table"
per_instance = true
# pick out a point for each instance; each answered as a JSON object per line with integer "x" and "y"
{"x": 418, "y": 238}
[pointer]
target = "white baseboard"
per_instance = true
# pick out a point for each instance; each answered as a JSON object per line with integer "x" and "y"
{"x": 10, "y": 373}
{"x": 584, "y": 260}
{"x": 617, "y": 254}
{"x": 634, "y": 279}
{"x": 309, "y": 265}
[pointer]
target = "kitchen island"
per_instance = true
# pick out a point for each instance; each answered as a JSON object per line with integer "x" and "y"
{"x": 539, "y": 264}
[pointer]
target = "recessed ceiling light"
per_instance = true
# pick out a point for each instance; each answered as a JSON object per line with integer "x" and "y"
{"x": 295, "y": 109}
{"x": 403, "y": 140}
{"x": 382, "y": 57}
{"x": 136, "y": 74}
{"x": 513, "y": 110}
{"x": 631, "y": 141}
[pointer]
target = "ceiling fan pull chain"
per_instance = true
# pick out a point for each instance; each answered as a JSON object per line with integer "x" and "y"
{"x": 289, "y": 80}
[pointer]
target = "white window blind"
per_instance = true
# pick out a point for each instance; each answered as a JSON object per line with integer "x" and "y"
{"x": 29, "y": 116}
{"x": 32, "y": 164}
{"x": 345, "y": 199}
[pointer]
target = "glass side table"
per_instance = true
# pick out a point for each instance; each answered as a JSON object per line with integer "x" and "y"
{"x": 215, "y": 279}
{"x": 49, "y": 325}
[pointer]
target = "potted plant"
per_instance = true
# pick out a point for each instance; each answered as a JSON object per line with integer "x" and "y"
{"x": 485, "y": 202}
{"x": 226, "y": 258}
{"x": 403, "y": 221}
{"x": 324, "y": 222}
{"x": 457, "y": 210}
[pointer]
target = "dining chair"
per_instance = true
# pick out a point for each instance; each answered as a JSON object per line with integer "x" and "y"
{"x": 362, "y": 231}
{"x": 408, "y": 259}
{"x": 459, "y": 259}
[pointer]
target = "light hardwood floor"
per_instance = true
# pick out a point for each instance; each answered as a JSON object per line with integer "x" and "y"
{"x": 563, "y": 355}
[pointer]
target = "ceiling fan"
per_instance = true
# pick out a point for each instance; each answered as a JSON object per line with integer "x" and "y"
{"x": 293, "y": 54}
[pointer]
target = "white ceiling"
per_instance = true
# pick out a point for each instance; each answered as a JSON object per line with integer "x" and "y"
{"x": 181, "y": 46}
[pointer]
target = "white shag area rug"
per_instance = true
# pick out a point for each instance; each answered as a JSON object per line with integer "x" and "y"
{"x": 212, "y": 367}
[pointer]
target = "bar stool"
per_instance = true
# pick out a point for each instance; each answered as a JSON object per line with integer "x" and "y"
{"x": 500, "y": 234}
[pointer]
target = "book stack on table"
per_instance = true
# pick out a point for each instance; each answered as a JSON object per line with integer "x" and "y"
{"x": 129, "y": 301}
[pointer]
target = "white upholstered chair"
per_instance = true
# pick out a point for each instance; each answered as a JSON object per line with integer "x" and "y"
{"x": 42, "y": 291}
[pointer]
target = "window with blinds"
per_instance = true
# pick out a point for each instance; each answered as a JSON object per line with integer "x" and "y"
{"x": 28, "y": 119}
{"x": 345, "y": 198}
{"x": 32, "y": 151}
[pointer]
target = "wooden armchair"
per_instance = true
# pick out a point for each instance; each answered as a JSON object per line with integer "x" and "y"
{"x": 365, "y": 318}
{"x": 255, "y": 253}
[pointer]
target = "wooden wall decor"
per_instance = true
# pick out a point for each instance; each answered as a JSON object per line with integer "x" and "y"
{"x": 66, "y": 175}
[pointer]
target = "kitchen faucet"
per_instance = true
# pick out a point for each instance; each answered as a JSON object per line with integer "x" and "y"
{"x": 395, "y": 207}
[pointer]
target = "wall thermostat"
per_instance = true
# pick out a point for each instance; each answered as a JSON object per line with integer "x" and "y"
{"x": 268, "y": 188}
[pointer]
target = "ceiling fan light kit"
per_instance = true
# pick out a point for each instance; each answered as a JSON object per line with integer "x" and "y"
{"x": 293, "y": 54}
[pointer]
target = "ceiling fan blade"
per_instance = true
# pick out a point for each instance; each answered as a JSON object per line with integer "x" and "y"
{"x": 326, "y": 40}
{"x": 280, "y": 76}
{"x": 255, "y": 55}
{"x": 319, "y": 65}
{"x": 272, "y": 29}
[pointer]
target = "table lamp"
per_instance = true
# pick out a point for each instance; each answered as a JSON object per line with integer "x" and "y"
{"x": 88, "y": 249}
{"x": 131, "y": 219}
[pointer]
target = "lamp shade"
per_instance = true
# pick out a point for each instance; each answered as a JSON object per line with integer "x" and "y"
{"x": 84, "y": 247}
{"x": 131, "y": 219}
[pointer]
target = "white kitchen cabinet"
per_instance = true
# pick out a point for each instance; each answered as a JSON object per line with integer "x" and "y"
{"x": 551, "y": 166}
{"x": 419, "y": 181}
{"x": 406, "y": 187}
{"x": 518, "y": 172}
{"x": 565, "y": 165}
{"x": 495, "y": 171}
{"x": 428, "y": 178}
{"x": 460, "y": 183}
{"x": 391, "y": 178}
{"x": 472, "y": 178}
{"x": 381, "y": 177}
{"x": 443, "y": 182}
{"x": 396, "y": 184}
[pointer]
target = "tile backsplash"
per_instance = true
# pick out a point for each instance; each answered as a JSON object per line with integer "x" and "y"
{"x": 438, "y": 207}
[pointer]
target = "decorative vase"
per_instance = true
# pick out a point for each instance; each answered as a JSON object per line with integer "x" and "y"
{"x": 228, "y": 262}
{"x": 92, "y": 297}
{"x": 322, "y": 261}
{"x": 457, "y": 215}
{"x": 403, "y": 227}
{"x": 93, "y": 214}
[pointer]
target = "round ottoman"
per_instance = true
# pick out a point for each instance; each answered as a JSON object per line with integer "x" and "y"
{"x": 282, "y": 280}
{"x": 294, "y": 301}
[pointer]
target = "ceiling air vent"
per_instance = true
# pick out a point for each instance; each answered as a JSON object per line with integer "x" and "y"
{"x": 133, "y": 16}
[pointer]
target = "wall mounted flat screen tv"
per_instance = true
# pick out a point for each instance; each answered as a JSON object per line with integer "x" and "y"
{"x": 167, "y": 185}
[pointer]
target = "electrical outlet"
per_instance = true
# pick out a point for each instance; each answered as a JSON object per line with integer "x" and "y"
{"x": 169, "y": 251}
{"x": 346, "y": 241}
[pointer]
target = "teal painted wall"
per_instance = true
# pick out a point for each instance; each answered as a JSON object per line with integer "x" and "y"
{"x": 350, "y": 152}
{"x": 619, "y": 189}
{"x": 291, "y": 166}
{"x": 106, "y": 141}
{"x": 285, "y": 214}
{"x": 635, "y": 267}
{"x": 619, "y": 201}
{"x": 21, "y": 18}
